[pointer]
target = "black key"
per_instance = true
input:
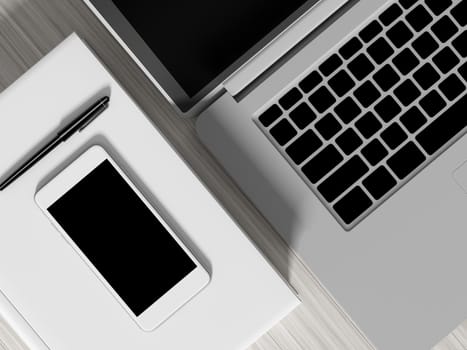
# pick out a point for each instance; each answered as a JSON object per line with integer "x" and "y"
{"x": 370, "y": 31}
{"x": 390, "y": 14}
{"x": 379, "y": 182}
{"x": 413, "y": 119}
{"x": 432, "y": 103}
{"x": 419, "y": 18}
{"x": 347, "y": 110}
{"x": 302, "y": 116}
{"x": 270, "y": 115}
{"x": 367, "y": 93}
{"x": 399, "y": 34}
{"x": 360, "y": 67}
{"x": 452, "y": 87}
{"x": 387, "y": 108}
{"x": 460, "y": 13}
{"x": 446, "y": 60}
{"x": 328, "y": 126}
{"x": 322, "y": 164}
{"x": 438, "y": 6}
{"x": 463, "y": 71}
{"x": 407, "y": 3}
{"x": 406, "y": 160}
{"x": 304, "y": 146}
{"x": 290, "y": 98}
{"x": 341, "y": 83}
{"x": 386, "y": 77}
{"x": 368, "y": 125}
{"x": 343, "y": 178}
{"x": 350, "y": 48}
{"x": 380, "y": 50}
{"x": 407, "y": 92}
{"x": 322, "y": 99}
{"x": 460, "y": 44}
{"x": 426, "y": 76}
{"x": 444, "y": 128}
{"x": 349, "y": 141}
{"x": 393, "y": 136}
{"x": 330, "y": 65}
{"x": 310, "y": 82}
{"x": 425, "y": 45}
{"x": 406, "y": 61}
{"x": 444, "y": 29}
{"x": 374, "y": 152}
{"x": 283, "y": 132}
{"x": 352, "y": 205}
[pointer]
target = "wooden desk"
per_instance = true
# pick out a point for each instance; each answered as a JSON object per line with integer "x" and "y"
{"x": 31, "y": 28}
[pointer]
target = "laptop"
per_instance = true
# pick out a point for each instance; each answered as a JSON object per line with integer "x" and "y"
{"x": 343, "y": 122}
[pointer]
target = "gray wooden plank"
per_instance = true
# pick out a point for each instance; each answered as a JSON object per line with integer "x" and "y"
{"x": 8, "y": 338}
{"x": 449, "y": 343}
{"x": 461, "y": 334}
{"x": 266, "y": 343}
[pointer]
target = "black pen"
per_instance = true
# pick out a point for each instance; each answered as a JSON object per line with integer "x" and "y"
{"x": 74, "y": 126}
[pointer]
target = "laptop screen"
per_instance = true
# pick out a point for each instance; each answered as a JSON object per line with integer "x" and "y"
{"x": 196, "y": 41}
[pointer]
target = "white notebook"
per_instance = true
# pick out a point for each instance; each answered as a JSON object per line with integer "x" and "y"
{"x": 61, "y": 302}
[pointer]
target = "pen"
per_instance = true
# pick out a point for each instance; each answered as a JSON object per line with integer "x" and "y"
{"x": 74, "y": 126}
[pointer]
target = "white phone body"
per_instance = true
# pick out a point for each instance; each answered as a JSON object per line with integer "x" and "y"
{"x": 168, "y": 303}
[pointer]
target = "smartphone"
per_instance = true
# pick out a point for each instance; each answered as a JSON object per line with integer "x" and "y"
{"x": 122, "y": 238}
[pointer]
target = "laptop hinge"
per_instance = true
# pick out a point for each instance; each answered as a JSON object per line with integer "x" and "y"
{"x": 300, "y": 33}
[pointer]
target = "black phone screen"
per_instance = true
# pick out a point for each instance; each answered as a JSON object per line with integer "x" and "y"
{"x": 121, "y": 237}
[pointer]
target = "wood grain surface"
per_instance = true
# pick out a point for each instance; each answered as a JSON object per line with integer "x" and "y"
{"x": 31, "y": 28}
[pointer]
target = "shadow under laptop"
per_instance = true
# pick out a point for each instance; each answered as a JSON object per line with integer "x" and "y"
{"x": 274, "y": 236}
{"x": 257, "y": 194}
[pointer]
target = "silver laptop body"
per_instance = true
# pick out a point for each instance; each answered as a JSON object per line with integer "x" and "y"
{"x": 393, "y": 257}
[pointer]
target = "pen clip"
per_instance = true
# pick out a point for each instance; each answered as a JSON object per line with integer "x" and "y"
{"x": 96, "y": 114}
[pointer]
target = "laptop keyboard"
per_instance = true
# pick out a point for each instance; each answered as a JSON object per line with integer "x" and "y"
{"x": 377, "y": 109}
